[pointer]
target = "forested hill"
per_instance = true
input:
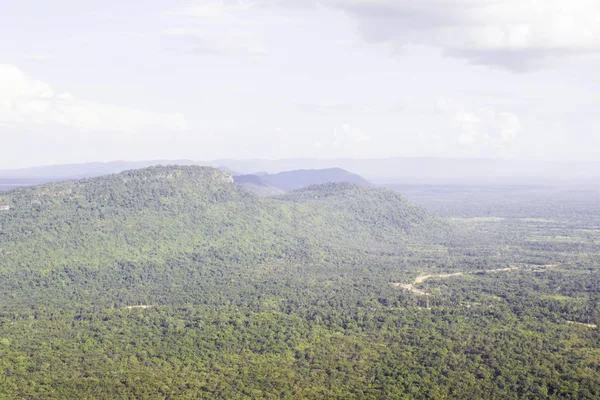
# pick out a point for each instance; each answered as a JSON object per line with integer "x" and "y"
{"x": 145, "y": 218}
{"x": 362, "y": 209}
{"x": 256, "y": 185}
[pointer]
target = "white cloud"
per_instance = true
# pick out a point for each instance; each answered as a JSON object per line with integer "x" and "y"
{"x": 513, "y": 34}
{"x": 219, "y": 28}
{"x": 40, "y": 58}
{"x": 333, "y": 106}
{"x": 25, "y": 101}
{"x": 230, "y": 42}
{"x": 348, "y": 135}
{"x": 213, "y": 12}
{"x": 280, "y": 139}
{"x": 481, "y": 126}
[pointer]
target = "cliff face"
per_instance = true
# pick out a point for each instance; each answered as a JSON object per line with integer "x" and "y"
{"x": 196, "y": 174}
{"x": 226, "y": 177}
{"x": 158, "y": 188}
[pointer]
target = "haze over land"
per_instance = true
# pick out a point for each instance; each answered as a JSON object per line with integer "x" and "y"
{"x": 390, "y": 170}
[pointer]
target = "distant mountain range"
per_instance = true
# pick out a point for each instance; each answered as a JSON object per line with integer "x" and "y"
{"x": 255, "y": 184}
{"x": 380, "y": 171}
{"x": 292, "y": 180}
{"x": 431, "y": 170}
{"x": 261, "y": 183}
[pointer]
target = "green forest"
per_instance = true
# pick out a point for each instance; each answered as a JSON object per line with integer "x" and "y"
{"x": 176, "y": 283}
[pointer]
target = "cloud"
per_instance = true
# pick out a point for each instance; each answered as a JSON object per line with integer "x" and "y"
{"x": 479, "y": 126}
{"x": 347, "y": 135}
{"x": 514, "y": 34}
{"x": 339, "y": 106}
{"x": 220, "y": 43}
{"x": 326, "y": 106}
{"x": 25, "y": 101}
{"x": 518, "y": 35}
{"x": 280, "y": 139}
{"x": 218, "y": 28}
{"x": 213, "y": 12}
{"x": 40, "y": 58}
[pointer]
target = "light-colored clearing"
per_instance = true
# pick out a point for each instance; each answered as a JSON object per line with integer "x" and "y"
{"x": 594, "y": 326}
{"x": 420, "y": 279}
{"x": 423, "y": 278}
{"x": 411, "y": 288}
{"x": 137, "y": 307}
{"x": 493, "y": 271}
{"x": 544, "y": 220}
{"x": 557, "y": 297}
{"x": 541, "y": 268}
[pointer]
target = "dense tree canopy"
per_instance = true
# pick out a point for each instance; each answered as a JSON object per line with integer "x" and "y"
{"x": 173, "y": 282}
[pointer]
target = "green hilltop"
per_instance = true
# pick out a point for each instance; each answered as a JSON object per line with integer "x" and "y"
{"x": 113, "y": 225}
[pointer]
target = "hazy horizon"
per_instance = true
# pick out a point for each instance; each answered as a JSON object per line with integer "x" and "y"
{"x": 421, "y": 170}
{"x": 275, "y": 159}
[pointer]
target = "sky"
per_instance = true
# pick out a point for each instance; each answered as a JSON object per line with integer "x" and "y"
{"x": 88, "y": 81}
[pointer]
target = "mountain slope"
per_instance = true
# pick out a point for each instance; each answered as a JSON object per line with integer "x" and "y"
{"x": 271, "y": 184}
{"x": 149, "y": 215}
{"x": 146, "y": 218}
{"x": 364, "y": 210}
{"x": 292, "y": 180}
{"x": 256, "y": 185}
